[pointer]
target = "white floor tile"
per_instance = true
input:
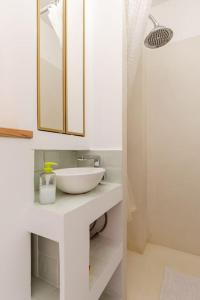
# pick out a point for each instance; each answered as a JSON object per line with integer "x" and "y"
{"x": 145, "y": 272}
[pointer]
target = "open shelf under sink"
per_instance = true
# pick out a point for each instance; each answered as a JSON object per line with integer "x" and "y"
{"x": 107, "y": 296}
{"x": 43, "y": 291}
{"x": 105, "y": 256}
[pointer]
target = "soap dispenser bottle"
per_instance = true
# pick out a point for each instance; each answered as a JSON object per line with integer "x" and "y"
{"x": 47, "y": 191}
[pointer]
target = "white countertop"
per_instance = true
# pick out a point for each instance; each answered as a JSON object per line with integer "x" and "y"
{"x": 66, "y": 203}
{"x": 48, "y": 220}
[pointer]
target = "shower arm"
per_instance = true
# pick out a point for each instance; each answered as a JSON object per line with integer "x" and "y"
{"x": 156, "y": 24}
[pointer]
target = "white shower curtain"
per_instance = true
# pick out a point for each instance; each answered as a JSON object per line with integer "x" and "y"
{"x": 137, "y": 17}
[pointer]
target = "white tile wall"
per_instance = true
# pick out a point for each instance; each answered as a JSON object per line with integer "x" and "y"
{"x": 48, "y": 247}
{"x": 49, "y": 269}
{"x": 45, "y": 260}
{"x": 65, "y": 159}
{"x": 111, "y": 160}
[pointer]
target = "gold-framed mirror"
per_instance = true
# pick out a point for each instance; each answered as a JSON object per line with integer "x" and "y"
{"x": 61, "y": 66}
{"x": 50, "y": 69}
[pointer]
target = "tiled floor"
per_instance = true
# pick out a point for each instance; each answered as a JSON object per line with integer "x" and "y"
{"x": 145, "y": 272}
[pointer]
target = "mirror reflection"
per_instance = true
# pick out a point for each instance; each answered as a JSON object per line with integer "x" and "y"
{"x": 50, "y": 66}
{"x": 61, "y": 66}
{"x": 75, "y": 67}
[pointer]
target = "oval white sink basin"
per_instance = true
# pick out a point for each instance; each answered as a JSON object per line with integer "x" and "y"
{"x": 78, "y": 180}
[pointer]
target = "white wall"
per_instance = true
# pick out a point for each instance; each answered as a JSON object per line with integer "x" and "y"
{"x": 18, "y": 96}
{"x": 172, "y": 95}
{"x": 16, "y": 186}
{"x": 104, "y": 73}
{"x": 17, "y": 75}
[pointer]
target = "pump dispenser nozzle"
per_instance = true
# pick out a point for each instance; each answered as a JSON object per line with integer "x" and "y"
{"x": 48, "y": 166}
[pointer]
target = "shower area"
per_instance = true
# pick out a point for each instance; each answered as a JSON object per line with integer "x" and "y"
{"x": 164, "y": 150}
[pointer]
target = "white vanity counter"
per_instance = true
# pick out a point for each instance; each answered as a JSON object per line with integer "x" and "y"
{"x": 66, "y": 203}
{"x": 45, "y": 220}
{"x": 68, "y": 222}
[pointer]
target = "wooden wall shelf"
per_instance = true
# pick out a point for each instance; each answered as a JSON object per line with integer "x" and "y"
{"x": 16, "y": 133}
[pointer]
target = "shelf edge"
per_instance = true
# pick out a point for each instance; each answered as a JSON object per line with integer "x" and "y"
{"x": 16, "y": 133}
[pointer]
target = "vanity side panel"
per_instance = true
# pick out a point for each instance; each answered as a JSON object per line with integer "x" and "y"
{"x": 17, "y": 101}
{"x": 16, "y": 186}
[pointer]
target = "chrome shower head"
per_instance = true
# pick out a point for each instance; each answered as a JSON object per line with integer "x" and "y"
{"x": 159, "y": 36}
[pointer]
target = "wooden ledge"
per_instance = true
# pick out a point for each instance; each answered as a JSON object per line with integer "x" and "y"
{"x": 16, "y": 133}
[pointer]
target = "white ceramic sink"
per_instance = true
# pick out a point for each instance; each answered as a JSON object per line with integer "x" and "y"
{"x": 78, "y": 180}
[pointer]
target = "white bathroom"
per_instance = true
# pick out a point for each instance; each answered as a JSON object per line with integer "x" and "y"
{"x": 99, "y": 144}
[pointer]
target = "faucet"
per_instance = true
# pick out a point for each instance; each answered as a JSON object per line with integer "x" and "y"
{"x": 95, "y": 158}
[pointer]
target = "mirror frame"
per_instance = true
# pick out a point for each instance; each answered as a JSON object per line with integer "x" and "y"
{"x": 64, "y": 130}
{"x": 81, "y": 134}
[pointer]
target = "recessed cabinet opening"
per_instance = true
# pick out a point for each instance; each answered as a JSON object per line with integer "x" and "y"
{"x": 45, "y": 269}
{"x": 113, "y": 290}
{"x": 63, "y": 255}
{"x": 105, "y": 250}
